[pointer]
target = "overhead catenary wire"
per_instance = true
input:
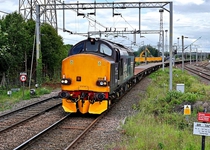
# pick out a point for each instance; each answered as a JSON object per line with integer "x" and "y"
{"x": 94, "y": 23}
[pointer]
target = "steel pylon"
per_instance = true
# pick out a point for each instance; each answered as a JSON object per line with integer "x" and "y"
{"x": 28, "y": 10}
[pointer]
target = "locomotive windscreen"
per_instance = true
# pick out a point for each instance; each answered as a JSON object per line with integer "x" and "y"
{"x": 90, "y": 46}
{"x": 76, "y": 49}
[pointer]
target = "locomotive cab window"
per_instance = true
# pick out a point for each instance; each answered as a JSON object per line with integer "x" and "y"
{"x": 91, "y": 46}
{"x": 105, "y": 50}
{"x": 77, "y": 49}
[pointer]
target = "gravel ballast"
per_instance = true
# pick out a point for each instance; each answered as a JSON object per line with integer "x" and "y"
{"x": 108, "y": 131}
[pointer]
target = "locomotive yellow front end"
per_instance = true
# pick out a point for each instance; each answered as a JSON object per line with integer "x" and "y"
{"x": 85, "y": 84}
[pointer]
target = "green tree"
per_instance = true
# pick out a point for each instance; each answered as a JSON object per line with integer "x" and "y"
{"x": 15, "y": 45}
{"x": 4, "y": 47}
{"x": 4, "y": 56}
{"x": 53, "y": 52}
{"x": 19, "y": 43}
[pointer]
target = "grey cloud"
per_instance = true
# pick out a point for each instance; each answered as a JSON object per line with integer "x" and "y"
{"x": 193, "y": 8}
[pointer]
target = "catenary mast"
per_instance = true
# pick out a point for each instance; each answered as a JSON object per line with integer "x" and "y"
{"x": 27, "y": 9}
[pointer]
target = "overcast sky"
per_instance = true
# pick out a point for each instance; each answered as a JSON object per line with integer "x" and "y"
{"x": 191, "y": 18}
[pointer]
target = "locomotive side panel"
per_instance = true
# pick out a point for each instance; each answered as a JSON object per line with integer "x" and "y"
{"x": 126, "y": 69}
{"x": 114, "y": 77}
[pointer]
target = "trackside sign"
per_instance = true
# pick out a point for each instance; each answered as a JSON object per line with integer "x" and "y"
{"x": 187, "y": 109}
{"x": 201, "y": 129}
{"x": 204, "y": 117}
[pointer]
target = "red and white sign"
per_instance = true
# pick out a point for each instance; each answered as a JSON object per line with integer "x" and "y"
{"x": 204, "y": 117}
{"x": 23, "y": 78}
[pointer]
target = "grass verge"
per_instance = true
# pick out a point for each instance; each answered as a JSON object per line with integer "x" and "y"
{"x": 7, "y": 102}
{"x": 160, "y": 123}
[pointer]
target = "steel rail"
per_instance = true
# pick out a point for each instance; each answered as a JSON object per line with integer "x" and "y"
{"x": 85, "y": 131}
{"x": 199, "y": 73}
{"x": 32, "y": 139}
{"x": 30, "y": 105}
{"x": 29, "y": 118}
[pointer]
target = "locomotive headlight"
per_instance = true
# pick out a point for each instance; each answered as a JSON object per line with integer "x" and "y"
{"x": 101, "y": 83}
{"x": 66, "y": 81}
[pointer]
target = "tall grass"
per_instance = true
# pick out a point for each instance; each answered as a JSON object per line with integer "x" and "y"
{"x": 160, "y": 123}
{"x": 144, "y": 132}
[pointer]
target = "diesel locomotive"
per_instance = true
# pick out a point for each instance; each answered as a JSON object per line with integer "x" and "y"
{"x": 94, "y": 74}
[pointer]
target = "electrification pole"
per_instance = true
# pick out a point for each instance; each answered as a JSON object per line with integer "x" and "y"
{"x": 182, "y": 53}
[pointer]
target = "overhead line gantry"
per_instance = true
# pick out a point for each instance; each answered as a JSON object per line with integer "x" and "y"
{"x": 78, "y": 7}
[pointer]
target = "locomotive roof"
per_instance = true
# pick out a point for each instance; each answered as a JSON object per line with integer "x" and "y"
{"x": 120, "y": 46}
{"x": 89, "y": 46}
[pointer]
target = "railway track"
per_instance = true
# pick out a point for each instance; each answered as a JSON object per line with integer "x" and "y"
{"x": 32, "y": 115}
{"x": 64, "y": 134}
{"x": 14, "y": 118}
{"x": 22, "y": 124}
{"x": 52, "y": 126}
{"x": 198, "y": 71}
{"x": 20, "y": 120}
